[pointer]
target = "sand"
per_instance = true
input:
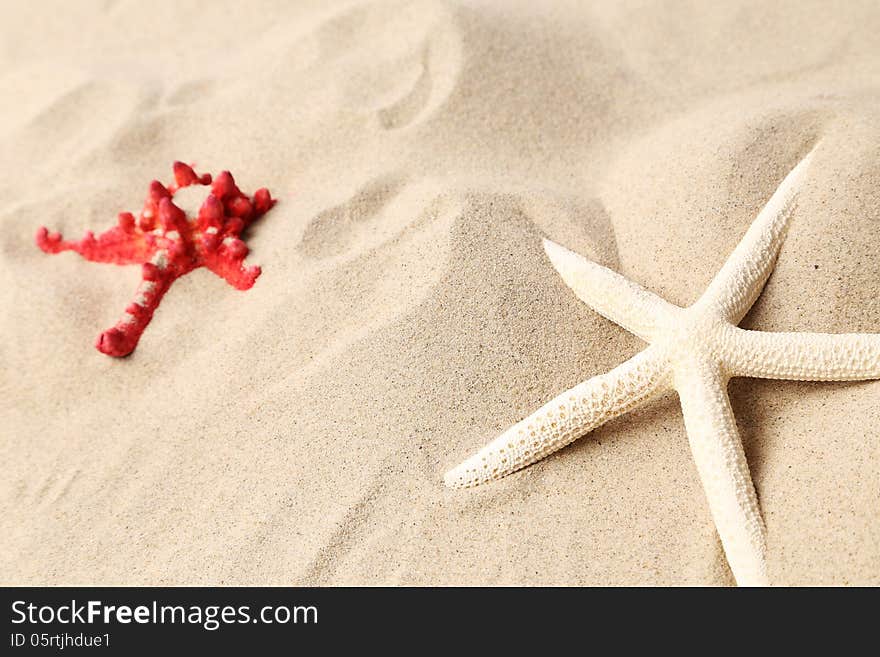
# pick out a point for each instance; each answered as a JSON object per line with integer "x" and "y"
{"x": 297, "y": 433}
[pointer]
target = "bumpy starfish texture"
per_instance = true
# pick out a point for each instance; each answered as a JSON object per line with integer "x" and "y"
{"x": 168, "y": 244}
{"x": 694, "y": 350}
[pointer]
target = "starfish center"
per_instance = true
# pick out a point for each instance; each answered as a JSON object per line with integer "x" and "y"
{"x": 691, "y": 336}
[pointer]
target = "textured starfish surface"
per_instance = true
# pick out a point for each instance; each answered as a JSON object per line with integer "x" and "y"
{"x": 695, "y": 350}
{"x": 168, "y": 244}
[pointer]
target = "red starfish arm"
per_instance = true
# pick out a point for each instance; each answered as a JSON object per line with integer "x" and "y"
{"x": 123, "y": 244}
{"x": 122, "y": 338}
{"x": 228, "y": 263}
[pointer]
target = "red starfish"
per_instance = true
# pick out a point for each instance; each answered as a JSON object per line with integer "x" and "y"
{"x": 168, "y": 245}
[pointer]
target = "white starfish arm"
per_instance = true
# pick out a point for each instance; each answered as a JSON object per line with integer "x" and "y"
{"x": 803, "y": 356}
{"x": 722, "y": 467}
{"x": 565, "y": 419}
{"x": 611, "y": 295}
{"x": 739, "y": 282}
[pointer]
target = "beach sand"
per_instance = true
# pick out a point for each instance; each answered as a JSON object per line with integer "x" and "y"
{"x": 297, "y": 433}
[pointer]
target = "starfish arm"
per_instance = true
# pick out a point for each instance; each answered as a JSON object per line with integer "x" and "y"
{"x": 228, "y": 264}
{"x": 116, "y": 245}
{"x": 803, "y": 356}
{"x": 564, "y": 419}
{"x": 611, "y": 295}
{"x": 740, "y": 281}
{"x": 722, "y": 467}
{"x": 121, "y": 339}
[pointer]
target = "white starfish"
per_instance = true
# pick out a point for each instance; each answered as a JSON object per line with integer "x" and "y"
{"x": 695, "y": 350}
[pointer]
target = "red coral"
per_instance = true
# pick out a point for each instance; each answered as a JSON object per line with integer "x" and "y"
{"x": 168, "y": 244}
